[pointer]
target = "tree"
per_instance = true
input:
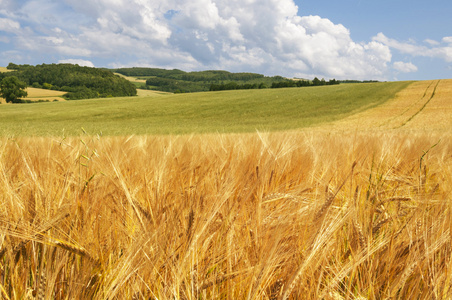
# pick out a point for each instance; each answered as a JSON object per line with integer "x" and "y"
{"x": 12, "y": 89}
{"x": 316, "y": 81}
{"x": 12, "y": 66}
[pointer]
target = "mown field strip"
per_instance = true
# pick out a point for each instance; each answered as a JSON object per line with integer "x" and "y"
{"x": 43, "y": 94}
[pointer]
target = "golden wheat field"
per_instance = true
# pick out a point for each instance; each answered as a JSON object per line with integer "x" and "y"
{"x": 424, "y": 106}
{"x": 35, "y": 94}
{"x": 332, "y": 213}
{"x": 43, "y": 94}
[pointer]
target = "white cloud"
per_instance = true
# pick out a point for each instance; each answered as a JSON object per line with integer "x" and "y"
{"x": 437, "y": 51}
{"x": 404, "y": 67}
{"x": 447, "y": 39}
{"x": 80, "y": 62}
{"x": 8, "y": 25}
{"x": 10, "y": 56}
{"x": 265, "y": 36}
{"x": 271, "y": 33}
{"x": 432, "y": 42}
{"x": 6, "y": 5}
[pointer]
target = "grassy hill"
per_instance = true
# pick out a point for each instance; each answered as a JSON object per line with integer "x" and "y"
{"x": 227, "y": 111}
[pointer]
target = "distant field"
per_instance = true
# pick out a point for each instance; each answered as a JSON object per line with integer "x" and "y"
{"x": 41, "y": 94}
{"x": 38, "y": 94}
{"x": 150, "y": 93}
{"x": 133, "y": 79}
{"x": 4, "y": 69}
{"x": 228, "y": 111}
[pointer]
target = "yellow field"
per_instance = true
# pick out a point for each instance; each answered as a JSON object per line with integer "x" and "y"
{"x": 50, "y": 95}
{"x": 35, "y": 94}
{"x": 358, "y": 209}
{"x": 259, "y": 216}
{"x": 4, "y": 69}
{"x": 423, "y": 106}
{"x": 150, "y": 93}
{"x": 133, "y": 79}
{"x": 44, "y": 94}
{"x": 38, "y": 94}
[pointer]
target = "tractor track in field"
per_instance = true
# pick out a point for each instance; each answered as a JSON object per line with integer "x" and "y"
{"x": 408, "y": 109}
{"x": 401, "y": 115}
{"x": 423, "y": 106}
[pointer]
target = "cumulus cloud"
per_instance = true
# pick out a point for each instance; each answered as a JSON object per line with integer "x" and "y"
{"x": 404, "y": 67}
{"x": 261, "y": 36}
{"x": 239, "y": 35}
{"x": 266, "y": 36}
{"x": 80, "y": 62}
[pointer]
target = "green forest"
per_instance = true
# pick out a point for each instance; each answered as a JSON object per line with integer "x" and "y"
{"x": 177, "y": 81}
{"x": 79, "y": 82}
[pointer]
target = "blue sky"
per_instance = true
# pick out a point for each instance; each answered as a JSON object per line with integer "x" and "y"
{"x": 348, "y": 39}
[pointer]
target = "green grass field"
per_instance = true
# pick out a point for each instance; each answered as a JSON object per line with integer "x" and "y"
{"x": 227, "y": 111}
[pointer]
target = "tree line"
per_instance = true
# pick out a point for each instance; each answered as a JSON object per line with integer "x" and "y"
{"x": 79, "y": 82}
{"x": 197, "y": 76}
{"x": 279, "y": 84}
{"x": 177, "y": 81}
{"x": 235, "y": 86}
{"x": 185, "y": 86}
